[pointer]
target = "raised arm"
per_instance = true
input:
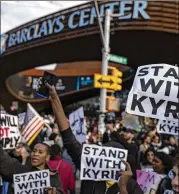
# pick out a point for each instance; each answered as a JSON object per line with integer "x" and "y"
{"x": 73, "y": 147}
{"x": 10, "y": 166}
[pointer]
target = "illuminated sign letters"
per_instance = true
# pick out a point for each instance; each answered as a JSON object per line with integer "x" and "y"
{"x": 78, "y": 19}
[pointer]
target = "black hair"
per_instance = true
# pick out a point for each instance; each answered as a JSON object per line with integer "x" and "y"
{"x": 52, "y": 125}
{"x": 47, "y": 147}
{"x": 166, "y": 160}
{"x": 145, "y": 161}
{"x": 144, "y": 138}
{"x": 157, "y": 134}
{"x": 105, "y": 138}
{"x": 53, "y": 136}
{"x": 56, "y": 150}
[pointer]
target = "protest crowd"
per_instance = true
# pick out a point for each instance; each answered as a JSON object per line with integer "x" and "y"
{"x": 50, "y": 154}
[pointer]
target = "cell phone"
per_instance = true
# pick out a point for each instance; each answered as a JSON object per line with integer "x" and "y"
{"x": 49, "y": 78}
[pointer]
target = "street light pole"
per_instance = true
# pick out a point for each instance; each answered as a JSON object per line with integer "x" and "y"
{"x": 104, "y": 68}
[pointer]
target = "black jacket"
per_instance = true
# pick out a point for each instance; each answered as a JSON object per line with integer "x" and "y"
{"x": 164, "y": 185}
{"x": 74, "y": 149}
{"x": 10, "y": 166}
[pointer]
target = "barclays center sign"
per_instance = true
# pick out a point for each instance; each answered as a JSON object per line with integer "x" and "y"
{"x": 77, "y": 19}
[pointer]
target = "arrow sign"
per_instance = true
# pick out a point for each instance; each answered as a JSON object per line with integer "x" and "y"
{"x": 101, "y": 81}
{"x": 104, "y": 81}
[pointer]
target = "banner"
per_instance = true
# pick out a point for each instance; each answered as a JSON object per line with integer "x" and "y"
{"x": 32, "y": 182}
{"x": 168, "y": 127}
{"x": 155, "y": 92}
{"x": 148, "y": 181}
{"x": 77, "y": 124}
{"x": 102, "y": 163}
{"x": 9, "y": 131}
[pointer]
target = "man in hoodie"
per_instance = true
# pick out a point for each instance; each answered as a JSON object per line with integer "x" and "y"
{"x": 74, "y": 149}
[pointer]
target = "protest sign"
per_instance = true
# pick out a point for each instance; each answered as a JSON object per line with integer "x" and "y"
{"x": 148, "y": 181}
{"x": 9, "y": 131}
{"x": 77, "y": 124}
{"x": 155, "y": 92}
{"x": 130, "y": 121}
{"x": 32, "y": 182}
{"x": 168, "y": 127}
{"x": 102, "y": 163}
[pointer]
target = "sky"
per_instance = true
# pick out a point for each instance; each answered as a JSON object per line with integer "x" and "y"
{"x": 15, "y": 13}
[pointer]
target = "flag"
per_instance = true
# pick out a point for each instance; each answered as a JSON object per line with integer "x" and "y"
{"x": 32, "y": 125}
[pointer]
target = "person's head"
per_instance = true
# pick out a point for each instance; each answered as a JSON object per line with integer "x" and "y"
{"x": 40, "y": 155}
{"x": 151, "y": 134}
{"x": 55, "y": 130}
{"x": 95, "y": 129}
{"x": 175, "y": 178}
{"x": 128, "y": 134}
{"x": 147, "y": 139}
{"x": 172, "y": 140}
{"x": 156, "y": 138}
{"x": 162, "y": 163}
{"x": 28, "y": 80}
{"x": 56, "y": 151}
{"x": 149, "y": 156}
{"x": 54, "y": 137}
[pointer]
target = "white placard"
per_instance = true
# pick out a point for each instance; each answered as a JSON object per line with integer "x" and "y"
{"x": 77, "y": 124}
{"x": 149, "y": 181}
{"x": 102, "y": 163}
{"x": 32, "y": 182}
{"x": 168, "y": 127}
{"x": 155, "y": 92}
{"x": 9, "y": 131}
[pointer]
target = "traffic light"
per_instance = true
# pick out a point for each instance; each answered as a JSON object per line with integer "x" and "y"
{"x": 112, "y": 104}
{"x": 118, "y": 75}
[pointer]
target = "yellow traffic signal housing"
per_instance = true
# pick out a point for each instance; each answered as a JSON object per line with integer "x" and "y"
{"x": 118, "y": 75}
{"x": 113, "y": 104}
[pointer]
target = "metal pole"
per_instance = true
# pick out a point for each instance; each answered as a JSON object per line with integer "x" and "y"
{"x": 100, "y": 23}
{"x": 104, "y": 69}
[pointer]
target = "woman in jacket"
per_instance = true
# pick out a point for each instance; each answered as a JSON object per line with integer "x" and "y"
{"x": 64, "y": 169}
{"x": 170, "y": 184}
{"x": 74, "y": 149}
{"x": 39, "y": 158}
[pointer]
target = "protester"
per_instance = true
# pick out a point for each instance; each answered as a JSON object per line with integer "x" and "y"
{"x": 22, "y": 153}
{"x": 63, "y": 168}
{"x": 171, "y": 182}
{"x": 39, "y": 158}
{"x": 175, "y": 178}
{"x": 148, "y": 158}
{"x": 56, "y": 138}
{"x": 75, "y": 149}
{"x": 156, "y": 142}
{"x": 172, "y": 146}
{"x": 162, "y": 163}
{"x": 146, "y": 144}
{"x": 130, "y": 144}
